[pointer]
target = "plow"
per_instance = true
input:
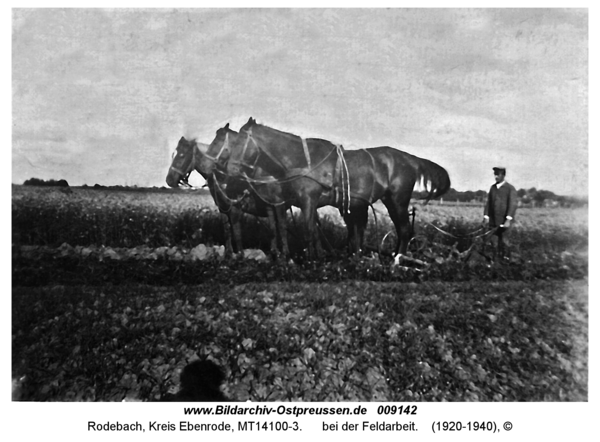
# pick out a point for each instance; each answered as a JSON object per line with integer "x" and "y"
{"x": 422, "y": 251}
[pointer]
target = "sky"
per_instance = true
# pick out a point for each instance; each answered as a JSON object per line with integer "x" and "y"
{"x": 101, "y": 96}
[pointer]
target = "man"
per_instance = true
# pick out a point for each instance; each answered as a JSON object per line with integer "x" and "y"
{"x": 501, "y": 206}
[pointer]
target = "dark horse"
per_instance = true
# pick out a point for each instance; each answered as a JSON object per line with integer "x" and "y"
{"x": 314, "y": 172}
{"x": 232, "y": 197}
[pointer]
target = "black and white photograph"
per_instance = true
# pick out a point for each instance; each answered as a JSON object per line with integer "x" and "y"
{"x": 300, "y": 205}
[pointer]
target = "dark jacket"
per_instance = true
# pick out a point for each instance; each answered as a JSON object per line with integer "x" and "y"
{"x": 501, "y": 203}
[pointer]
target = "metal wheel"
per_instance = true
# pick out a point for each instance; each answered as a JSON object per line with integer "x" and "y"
{"x": 388, "y": 244}
{"x": 417, "y": 244}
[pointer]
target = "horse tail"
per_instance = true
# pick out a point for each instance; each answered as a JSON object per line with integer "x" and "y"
{"x": 431, "y": 178}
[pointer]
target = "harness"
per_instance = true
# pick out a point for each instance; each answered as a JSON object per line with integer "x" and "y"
{"x": 306, "y": 153}
{"x": 374, "y": 179}
{"x": 343, "y": 166}
{"x": 223, "y": 146}
{"x": 220, "y": 193}
{"x": 340, "y": 170}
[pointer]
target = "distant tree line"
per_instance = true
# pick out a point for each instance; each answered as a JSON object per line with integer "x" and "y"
{"x": 539, "y": 198}
{"x": 527, "y": 198}
{"x": 40, "y": 182}
{"x": 63, "y": 183}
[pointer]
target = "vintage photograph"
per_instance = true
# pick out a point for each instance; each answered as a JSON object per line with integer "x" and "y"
{"x": 299, "y": 205}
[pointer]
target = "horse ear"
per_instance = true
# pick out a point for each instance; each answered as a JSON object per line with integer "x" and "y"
{"x": 226, "y": 126}
{"x": 251, "y": 121}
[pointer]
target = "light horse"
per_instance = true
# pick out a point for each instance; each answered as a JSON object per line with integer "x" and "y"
{"x": 314, "y": 172}
{"x": 231, "y": 197}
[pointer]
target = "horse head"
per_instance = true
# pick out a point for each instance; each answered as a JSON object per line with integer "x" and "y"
{"x": 244, "y": 150}
{"x": 219, "y": 151}
{"x": 259, "y": 147}
{"x": 183, "y": 163}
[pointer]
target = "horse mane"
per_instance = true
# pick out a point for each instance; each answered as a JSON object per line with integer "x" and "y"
{"x": 252, "y": 123}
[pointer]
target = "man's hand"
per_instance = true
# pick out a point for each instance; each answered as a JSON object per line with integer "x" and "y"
{"x": 506, "y": 224}
{"x": 485, "y": 222}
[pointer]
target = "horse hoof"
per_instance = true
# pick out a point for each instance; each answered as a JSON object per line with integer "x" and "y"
{"x": 398, "y": 259}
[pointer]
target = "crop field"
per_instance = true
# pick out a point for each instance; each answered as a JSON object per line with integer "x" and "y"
{"x": 115, "y": 291}
{"x": 49, "y": 217}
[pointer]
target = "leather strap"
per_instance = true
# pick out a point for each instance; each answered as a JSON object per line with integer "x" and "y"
{"x": 306, "y": 153}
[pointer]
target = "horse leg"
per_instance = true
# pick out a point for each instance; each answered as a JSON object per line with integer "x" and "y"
{"x": 398, "y": 212}
{"x": 318, "y": 249}
{"x": 359, "y": 217}
{"x": 280, "y": 214}
{"x": 309, "y": 217}
{"x": 273, "y": 227}
{"x": 228, "y": 230}
{"x": 308, "y": 223}
{"x": 235, "y": 217}
{"x": 363, "y": 219}
{"x": 317, "y": 239}
{"x": 306, "y": 193}
{"x": 351, "y": 232}
{"x": 350, "y": 227}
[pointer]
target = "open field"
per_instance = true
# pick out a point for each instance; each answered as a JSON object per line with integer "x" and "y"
{"x": 509, "y": 341}
{"x": 47, "y": 216}
{"x": 99, "y": 315}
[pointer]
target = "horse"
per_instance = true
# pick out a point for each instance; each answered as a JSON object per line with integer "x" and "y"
{"x": 314, "y": 172}
{"x": 232, "y": 197}
{"x": 267, "y": 195}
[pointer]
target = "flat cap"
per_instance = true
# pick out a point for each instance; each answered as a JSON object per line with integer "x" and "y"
{"x": 499, "y": 170}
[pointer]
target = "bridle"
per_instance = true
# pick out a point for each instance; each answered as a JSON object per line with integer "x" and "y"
{"x": 225, "y": 145}
{"x": 185, "y": 174}
{"x": 259, "y": 150}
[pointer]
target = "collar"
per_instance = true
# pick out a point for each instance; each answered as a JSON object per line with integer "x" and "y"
{"x": 499, "y": 185}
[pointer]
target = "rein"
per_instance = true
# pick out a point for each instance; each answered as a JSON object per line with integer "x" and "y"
{"x": 474, "y": 235}
{"x": 223, "y": 195}
{"x": 270, "y": 203}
